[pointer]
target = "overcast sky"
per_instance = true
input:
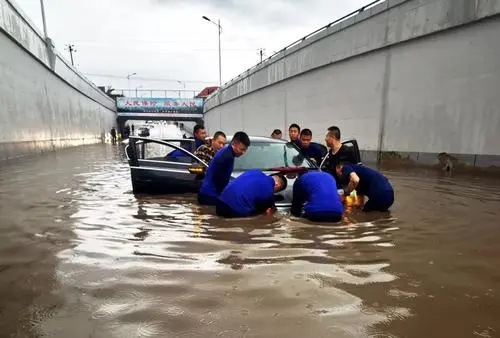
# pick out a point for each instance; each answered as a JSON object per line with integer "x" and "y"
{"x": 168, "y": 39}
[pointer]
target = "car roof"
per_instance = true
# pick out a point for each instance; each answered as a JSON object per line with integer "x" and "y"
{"x": 260, "y": 138}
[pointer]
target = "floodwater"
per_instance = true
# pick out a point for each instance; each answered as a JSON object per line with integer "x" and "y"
{"x": 81, "y": 256}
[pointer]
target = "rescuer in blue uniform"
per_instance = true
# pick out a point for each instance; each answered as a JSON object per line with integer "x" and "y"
{"x": 249, "y": 194}
{"x": 199, "y": 134}
{"x": 294, "y": 133}
{"x": 315, "y": 192}
{"x": 368, "y": 182}
{"x": 312, "y": 150}
{"x": 219, "y": 171}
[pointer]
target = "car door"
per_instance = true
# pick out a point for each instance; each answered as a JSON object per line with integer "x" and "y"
{"x": 164, "y": 166}
{"x": 352, "y": 147}
{"x": 350, "y": 154}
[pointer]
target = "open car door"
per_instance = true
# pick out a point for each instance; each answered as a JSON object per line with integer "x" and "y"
{"x": 164, "y": 166}
{"x": 352, "y": 149}
{"x": 350, "y": 154}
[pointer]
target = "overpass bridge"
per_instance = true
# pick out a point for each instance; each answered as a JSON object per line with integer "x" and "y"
{"x": 154, "y": 109}
{"x": 408, "y": 78}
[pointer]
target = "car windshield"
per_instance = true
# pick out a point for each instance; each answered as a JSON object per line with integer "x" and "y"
{"x": 267, "y": 155}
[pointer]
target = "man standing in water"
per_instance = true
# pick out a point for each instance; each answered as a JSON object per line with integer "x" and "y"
{"x": 113, "y": 135}
{"x": 276, "y": 134}
{"x": 311, "y": 150}
{"x": 293, "y": 133}
{"x": 199, "y": 134}
{"x": 206, "y": 152}
{"x": 337, "y": 153}
{"x": 220, "y": 169}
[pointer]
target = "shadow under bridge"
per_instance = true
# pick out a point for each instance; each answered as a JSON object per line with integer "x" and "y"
{"x": 158, "y": 109}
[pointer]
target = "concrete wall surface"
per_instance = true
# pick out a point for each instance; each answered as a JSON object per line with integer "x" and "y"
{"x": 44, "y": 102}
{"x": 408, "y": 76}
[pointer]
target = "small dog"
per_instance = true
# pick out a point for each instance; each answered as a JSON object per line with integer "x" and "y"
{"x": 447, "y": 162}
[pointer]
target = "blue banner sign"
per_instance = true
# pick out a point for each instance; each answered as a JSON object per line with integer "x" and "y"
{"x": 159, "y": 105}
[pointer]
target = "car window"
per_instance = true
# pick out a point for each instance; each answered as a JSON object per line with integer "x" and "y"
{"x": 266, "y": 155}
{"x": 163, "y": 152}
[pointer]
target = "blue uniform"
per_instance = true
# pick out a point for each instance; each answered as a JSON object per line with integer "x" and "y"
{"x": 372, "y": 184}
{"x": 297, "y": 143}
{"x": 315, "y": 151}
{"x": 249, "y": 194}
{"x": 316, "y": 192}
{"x": 179, "y": 153}
{"x": 217, "y": 176}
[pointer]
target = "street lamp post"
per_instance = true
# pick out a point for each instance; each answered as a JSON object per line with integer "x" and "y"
{"x": 43, "y": 20}
{"x": 48, "y": 41}
{"x": 219, "y": 28}
{"x": 183, "y": 85}
{"x": 136, "y": 95}
{"x": 128, "y": 80}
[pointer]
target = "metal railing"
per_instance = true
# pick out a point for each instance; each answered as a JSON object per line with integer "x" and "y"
{"x": 338, "y": 21}
{"x": 159, "y": 93}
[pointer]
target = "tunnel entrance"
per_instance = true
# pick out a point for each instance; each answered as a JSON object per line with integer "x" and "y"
{"x": 158, "y": 109}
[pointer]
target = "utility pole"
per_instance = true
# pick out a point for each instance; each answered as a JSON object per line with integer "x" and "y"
{"x": 71, "y": 49}
{"x": 261, "y": 53}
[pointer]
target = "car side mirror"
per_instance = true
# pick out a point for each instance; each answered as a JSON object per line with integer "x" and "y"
{"x": 196, "y": 170}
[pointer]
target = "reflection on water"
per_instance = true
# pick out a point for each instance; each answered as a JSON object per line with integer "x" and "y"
{"x": 83, "y": 257}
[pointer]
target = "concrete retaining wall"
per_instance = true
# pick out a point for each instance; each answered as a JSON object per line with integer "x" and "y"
{"x": 411, "y": 77}
{"x": 44, "y": 102}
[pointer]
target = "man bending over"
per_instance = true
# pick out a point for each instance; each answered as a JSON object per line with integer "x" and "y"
{"x": 251, "y": 193}
{"x": 368, "y": 182}
{"x": 315, "y": 193}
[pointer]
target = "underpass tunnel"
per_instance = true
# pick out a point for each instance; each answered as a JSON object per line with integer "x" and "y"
{"x": 184, "y": 125}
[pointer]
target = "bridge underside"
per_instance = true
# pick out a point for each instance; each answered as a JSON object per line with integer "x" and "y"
{"x": 122, "y": 118}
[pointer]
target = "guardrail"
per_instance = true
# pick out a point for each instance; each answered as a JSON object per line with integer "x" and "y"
{"x": 160, "y": 93}
{"x": 314, "y": 33}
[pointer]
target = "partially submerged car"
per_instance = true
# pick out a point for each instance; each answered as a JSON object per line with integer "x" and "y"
{"x": 153, "y": 171}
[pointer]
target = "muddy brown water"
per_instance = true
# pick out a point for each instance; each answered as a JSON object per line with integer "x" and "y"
{"x": 81, "y": 256}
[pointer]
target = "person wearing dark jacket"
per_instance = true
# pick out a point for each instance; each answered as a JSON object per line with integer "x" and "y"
{"x": 368, "y": 182}
{"x": 199, "y": 134}
{"x": 338, "y": 153}
{"x": 312, "y": 150}
{"x": 220, "y": 168}
{"x": 315, "y": 194}
{"x": 249, "y": 194}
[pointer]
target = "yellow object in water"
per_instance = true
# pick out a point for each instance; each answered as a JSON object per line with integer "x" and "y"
{"x": 349, "y": 201}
